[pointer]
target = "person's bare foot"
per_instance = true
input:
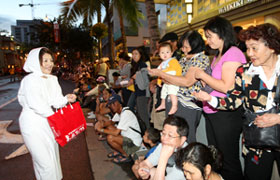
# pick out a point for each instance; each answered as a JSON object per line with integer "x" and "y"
{"x": 173, "y": 110}
{"x": 161, "y": 107}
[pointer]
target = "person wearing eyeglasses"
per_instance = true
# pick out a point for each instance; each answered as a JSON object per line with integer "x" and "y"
{"x": 173, "y": 137}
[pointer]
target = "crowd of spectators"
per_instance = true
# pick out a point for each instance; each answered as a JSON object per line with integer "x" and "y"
{"x": 126, "y": 107}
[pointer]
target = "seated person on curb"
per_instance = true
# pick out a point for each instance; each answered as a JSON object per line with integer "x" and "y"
{"x": 199, "y": 162}
{"x": 122, "y": 138}
{"x": 96, "y": 102}
{"x": 103, "y": 113}
{"x": 91, "y": 94}
{"x": 173, "y": 137}
{"x": 151, "y": 138}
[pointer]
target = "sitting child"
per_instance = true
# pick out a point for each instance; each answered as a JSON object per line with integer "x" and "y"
{"x": 170, "y": 66}
{"x": 151, "y": 138}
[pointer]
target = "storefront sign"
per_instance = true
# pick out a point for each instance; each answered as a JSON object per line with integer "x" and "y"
{"x": 234, "y": 5}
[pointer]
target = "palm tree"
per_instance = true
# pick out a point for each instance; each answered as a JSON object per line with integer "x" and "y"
{"x": 152, "y": 22}
{"x": 129, "y": 9}
{"x": 88, "y": 8}
{"x": 99, "y": 31}
{"x": 71, "y": 10}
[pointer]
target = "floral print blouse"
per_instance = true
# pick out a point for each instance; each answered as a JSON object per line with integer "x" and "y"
{"x": 248, "y": 90}
{"x": 184, "y": 95}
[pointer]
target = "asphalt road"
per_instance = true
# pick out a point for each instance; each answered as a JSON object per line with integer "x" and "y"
{"x": 74, "y": 156}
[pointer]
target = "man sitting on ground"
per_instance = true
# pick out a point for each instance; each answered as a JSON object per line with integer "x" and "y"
{"x": 123, "y": 138}
{"x": 173, "y": 136}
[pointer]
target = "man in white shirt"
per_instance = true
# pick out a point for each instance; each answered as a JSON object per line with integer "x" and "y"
{"x": 123, "y": 138}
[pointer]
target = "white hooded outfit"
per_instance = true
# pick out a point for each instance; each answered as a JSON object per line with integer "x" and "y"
{"x": 37, "y": 94}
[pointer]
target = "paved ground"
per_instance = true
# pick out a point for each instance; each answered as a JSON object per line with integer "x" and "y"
{"x": 74, "y": 156}
{"x": 102, "y": 167}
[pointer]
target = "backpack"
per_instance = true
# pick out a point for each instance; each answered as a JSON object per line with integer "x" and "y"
{"x": 141, "y": 123}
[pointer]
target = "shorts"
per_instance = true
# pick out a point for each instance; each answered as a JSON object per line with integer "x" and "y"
{"x": 128, "y": 146}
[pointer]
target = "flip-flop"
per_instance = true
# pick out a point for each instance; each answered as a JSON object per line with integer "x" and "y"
{"x": 101, "y": 138}
{"x": 121, "y": 159}
{"x": 113, "y": 154}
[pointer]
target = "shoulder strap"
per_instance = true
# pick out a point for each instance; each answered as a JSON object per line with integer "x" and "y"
{"x": 127, "y": 108}
{"x": 276, "y": 98}
{"x": 135, "y": 130}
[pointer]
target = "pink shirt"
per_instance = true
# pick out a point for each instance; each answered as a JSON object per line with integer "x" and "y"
{"x": 233, "y": 54}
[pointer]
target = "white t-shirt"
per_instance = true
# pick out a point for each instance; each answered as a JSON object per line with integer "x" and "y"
{"x": 127, "y": 120}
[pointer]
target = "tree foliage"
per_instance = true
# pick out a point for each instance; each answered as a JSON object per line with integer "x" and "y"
{"x": 99, "y": 30}
{"x": 88, "y": 9}
{"x": 72, "y": 40}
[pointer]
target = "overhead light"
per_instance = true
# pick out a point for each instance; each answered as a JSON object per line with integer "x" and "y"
{"x": 189, "y": 10}
{"x": 189, "y": 18}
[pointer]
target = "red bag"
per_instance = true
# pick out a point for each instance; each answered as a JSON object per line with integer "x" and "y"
{"x": 67, "y": 123}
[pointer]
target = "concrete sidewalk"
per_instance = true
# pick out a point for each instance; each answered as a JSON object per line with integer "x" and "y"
{"x": 102, "y": 167}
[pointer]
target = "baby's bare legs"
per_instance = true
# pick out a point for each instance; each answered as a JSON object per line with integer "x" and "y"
{"x": 174, "y": 102}
{"x": 161, "y": 106}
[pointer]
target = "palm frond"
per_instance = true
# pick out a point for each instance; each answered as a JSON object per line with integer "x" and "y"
{"x": 73, "y": 9}
{"x": 130, "y": 12}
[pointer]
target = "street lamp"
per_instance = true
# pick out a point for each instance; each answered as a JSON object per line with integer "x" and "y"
{"x": 189, "y": 10}
{"x": 47, "y": 17}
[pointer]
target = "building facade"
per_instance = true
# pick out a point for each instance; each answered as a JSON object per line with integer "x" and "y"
{"x": 9, "y": 54}
{"x": 239, "y": 12}
{"x": 24, "y": 31}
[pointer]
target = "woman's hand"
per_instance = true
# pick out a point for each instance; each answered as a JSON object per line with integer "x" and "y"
{"x": 198, "y": 73}
{"x": 155, "y": 72}
{"x": 267, "y": 120}
{"x": 203, "y": 83}
{"x": 71, "y": 98}
{"x": 202, "y": 96}
{"x": 130, "y": 82}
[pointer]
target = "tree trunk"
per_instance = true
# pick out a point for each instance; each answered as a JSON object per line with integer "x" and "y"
{"x": 99, "y": 48}
{"x": 153, "y": 23}
{"x": 99, "y": 14}
{"x": 123, "y": 37}
{"x": 110, "y": 36}
{"x": 99, "y": 39}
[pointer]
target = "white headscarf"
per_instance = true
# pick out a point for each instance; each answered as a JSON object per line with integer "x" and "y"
{"x": 32, "y": 64}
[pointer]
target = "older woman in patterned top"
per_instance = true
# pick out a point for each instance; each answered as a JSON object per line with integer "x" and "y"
{"x": 255, "y": 86}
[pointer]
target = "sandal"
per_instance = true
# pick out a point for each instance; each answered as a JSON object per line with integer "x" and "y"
{"x": 121, "y": 159}
{"x": 113, "y": 154}
{"x": 101, "y": 138}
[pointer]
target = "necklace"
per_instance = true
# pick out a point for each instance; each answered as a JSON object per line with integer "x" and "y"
{"x": 209, "y": 176}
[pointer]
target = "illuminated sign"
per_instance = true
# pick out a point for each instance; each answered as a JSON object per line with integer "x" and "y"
{"x": 234, "y": 5}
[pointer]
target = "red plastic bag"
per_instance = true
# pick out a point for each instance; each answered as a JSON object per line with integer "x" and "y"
{"x": 67, "y": 123}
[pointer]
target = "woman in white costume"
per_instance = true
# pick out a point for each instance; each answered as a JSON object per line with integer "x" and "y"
{"x": 39, "y": 92}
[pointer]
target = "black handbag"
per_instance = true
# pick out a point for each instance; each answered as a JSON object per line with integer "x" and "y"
{"x": 262, "y": 138}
